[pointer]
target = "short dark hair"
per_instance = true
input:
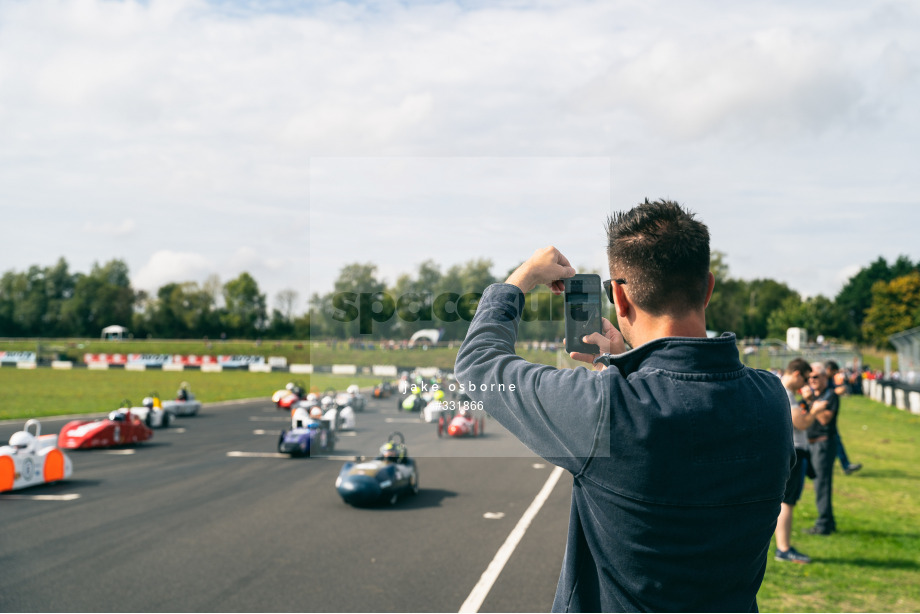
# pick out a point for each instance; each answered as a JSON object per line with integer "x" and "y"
{"x": 831, "y": 365}
{"x": 799, "y": 365}
{"x": 662, "y": 251}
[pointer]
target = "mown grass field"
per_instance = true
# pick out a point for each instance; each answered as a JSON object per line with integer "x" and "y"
{"x": 45, "y": 392}
{"x": 872, "y": 563}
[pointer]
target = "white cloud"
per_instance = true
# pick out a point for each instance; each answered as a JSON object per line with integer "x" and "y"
{"x": 205, "y": 122}
{"x": 166, "y": 266}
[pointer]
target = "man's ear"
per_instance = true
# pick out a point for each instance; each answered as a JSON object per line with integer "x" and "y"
{"x": 620, "y": 300}
{"x": 712, "y": 284}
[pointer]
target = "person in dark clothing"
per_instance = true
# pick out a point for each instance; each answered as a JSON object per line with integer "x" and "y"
{"x": 822, "y": 442}
{"x": 679, "y": 453}
{"x": 837, "y": 380}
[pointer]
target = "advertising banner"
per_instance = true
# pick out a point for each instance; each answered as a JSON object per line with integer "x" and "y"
{"x": 14, "y": 357}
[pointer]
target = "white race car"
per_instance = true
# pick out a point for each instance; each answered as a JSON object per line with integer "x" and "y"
{"x": 31, "y": 459}
{"x": 153, "y": 413}
{"x": 432, "y": 411}
{"x": 340, "y": 417}
{"x": 352, "y": 397}
{"x": 185, "y": 403}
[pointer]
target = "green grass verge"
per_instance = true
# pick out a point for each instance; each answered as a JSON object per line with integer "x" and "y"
{"x": 45, "y": 392}
{"x": 872, "y": 564}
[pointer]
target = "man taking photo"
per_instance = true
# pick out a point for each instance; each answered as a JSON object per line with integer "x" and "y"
{"x": 679, "y": 453}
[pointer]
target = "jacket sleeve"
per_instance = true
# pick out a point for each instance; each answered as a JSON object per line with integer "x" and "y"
{"x": 559, "y": 414}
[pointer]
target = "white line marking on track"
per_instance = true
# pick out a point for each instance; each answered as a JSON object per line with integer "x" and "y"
{"x": 237, "y": 454}
{"x": 261, "y": 432}
{"x": 70, "y": 497}
{"x": 178, "y": 430}
{"x": 403, "y": 420}
{"x": 347, "y": 434}
{"x": 493, "y": 515}
{"x": 119, "y": 452}
{"x": 490, "y": 575}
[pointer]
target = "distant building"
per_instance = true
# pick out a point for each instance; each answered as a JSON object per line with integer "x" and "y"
{"x": 796, "y": 338}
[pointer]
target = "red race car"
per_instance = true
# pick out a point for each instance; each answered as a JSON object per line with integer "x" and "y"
{"x": 466, "y": 423}
{"x": 120, "y": 428}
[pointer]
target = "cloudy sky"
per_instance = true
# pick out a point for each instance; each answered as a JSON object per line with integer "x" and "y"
{"x": 288, "y": 139}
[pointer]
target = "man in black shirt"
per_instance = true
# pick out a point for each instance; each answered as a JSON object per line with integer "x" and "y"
{"x": 822, "y": 440}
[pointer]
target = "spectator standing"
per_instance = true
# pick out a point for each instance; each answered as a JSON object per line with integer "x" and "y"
{"x": 822, "y": 440}
{"x": 839, "y": 382}
{"x": 794, "y": 379}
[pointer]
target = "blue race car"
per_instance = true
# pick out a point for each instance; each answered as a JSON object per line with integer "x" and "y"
{"x": 307, "y": 435}
{"x": 381, "y": 480}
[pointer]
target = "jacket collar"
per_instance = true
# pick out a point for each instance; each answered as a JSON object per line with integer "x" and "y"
{"x": 679, "y": 355}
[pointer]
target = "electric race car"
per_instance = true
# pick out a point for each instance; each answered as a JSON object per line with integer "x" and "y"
{"x": 467, "y": 422}
{"x": 414, "y": 402}
{"x": 121, "y": 427}
{"x": 338, "y": 410}
{"x": 352, "y": 397}
{"x": 433, "y": 410}
{"x": 185, "y": 403}
{"x": 381, "y": 480}
{"x": 383, "y": 390}
{"x": 293, "y": 393}
{"x": 153, "y": 413}
{"x": 31, "y": 459}
{"x": 309, "y": 434}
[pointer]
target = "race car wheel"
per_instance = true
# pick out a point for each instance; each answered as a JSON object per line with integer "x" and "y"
{"x": 165, "y": 419}
{"x": 441, "y": 426}
{"x": 393, "y": 499}
{"x": 475, "y": 429}
{"x": 413, "y": 485}
{"x": 148, "y": 420}
{"x": 482, "y": 427}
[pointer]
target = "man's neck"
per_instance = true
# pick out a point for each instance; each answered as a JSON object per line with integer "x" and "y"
{"x": 652, "y": 328}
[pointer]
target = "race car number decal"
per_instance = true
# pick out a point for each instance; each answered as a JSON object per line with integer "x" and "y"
{"x": 27, "y": 469}
{"x": 82, "y": 430}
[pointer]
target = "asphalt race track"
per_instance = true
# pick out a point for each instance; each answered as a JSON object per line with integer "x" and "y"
{"x": 206, "y": 517}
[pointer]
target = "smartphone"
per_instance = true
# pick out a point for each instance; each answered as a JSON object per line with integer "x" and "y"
{"x": 582, "y": 312}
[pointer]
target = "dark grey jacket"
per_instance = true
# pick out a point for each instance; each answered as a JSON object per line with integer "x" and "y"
{"x": 679, "y": 453}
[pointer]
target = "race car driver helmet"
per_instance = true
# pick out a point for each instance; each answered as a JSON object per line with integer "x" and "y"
{"x": 328, "y": 402}
{"x": 147, "y": 402}
{"x": 316, "y": 413}
{"x": 353, "y": 389}
{"x": 313, "y": 397}
{"x": 23, "y": 440}
{"x": 393, "y": 452}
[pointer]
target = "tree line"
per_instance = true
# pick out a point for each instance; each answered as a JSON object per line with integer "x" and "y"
{"x": 881, "y": 299}
{"x": 55, "y": 302}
